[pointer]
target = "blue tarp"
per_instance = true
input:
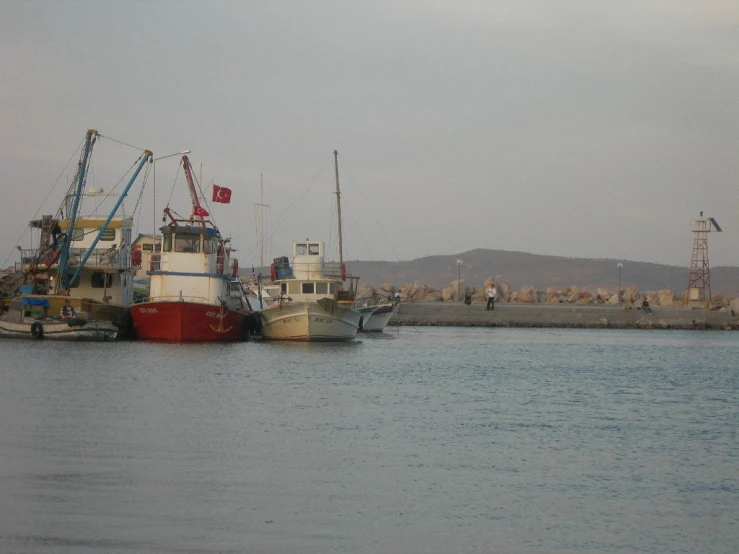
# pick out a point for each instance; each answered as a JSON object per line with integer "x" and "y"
{"x": 43, "y": 302}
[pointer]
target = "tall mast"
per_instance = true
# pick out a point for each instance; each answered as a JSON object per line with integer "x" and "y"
{"x": 261, "y": 220}
{"x": 338, "y": 206}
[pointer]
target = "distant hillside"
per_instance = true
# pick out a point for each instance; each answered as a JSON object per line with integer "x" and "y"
{"x": 520, "y": 268}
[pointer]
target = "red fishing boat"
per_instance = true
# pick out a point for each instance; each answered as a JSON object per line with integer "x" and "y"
{"x": 195, "y": 294}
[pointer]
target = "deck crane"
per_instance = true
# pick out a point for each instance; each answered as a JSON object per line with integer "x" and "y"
{"x": 198, "y": 212}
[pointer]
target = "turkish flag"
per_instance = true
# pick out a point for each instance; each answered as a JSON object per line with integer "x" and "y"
{"x": 221, "y": 194}
{"x": 201, "y": 212}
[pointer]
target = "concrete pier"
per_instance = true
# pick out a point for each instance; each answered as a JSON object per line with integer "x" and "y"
{"x": 599, "y": 316}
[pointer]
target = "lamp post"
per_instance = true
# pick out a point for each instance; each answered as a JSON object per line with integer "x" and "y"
{"x": 459, "y": 280}
{"x": 620, "y": 266}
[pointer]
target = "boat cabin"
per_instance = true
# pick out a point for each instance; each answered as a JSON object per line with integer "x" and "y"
{"x": 194, "y": 265}
{"x": 310, "y": 277}
{"x": 108, "y": 272}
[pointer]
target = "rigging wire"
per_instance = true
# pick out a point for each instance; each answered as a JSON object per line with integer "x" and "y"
{"x": 38, "y": 210}
{"x": 121, "y": 142}
{"x": 359, "y": 189}
{"x": 171, "y": 192}
{"x": 359, "y": 230}
{"x": 291, "y": 207}
{"x": 138, "y": 206}
{"x": 100, "y": 203}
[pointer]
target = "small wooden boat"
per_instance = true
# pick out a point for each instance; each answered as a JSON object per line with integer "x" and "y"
{"x": 27, "y": 318}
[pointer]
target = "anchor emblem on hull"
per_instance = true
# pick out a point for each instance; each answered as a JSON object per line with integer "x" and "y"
{"x": 220, "y": 329}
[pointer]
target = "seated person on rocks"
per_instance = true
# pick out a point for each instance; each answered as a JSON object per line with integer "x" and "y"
{"x": 645, "y": 306}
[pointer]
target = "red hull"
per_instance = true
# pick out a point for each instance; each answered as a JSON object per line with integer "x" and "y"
{"x": 186, "y": 322}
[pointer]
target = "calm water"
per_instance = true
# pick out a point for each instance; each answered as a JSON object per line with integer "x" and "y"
{"x": 421, "y": 441}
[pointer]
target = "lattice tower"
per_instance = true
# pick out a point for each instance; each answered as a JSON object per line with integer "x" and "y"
{"x": 699, "y": 281}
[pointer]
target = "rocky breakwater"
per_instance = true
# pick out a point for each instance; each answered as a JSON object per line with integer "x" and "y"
{"x": 425, "y": 305}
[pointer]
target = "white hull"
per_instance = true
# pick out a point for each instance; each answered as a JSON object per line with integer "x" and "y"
{"x": 379, "y": 318}
{"x": 309, "y": 321}
{"x": 54, "y": 330}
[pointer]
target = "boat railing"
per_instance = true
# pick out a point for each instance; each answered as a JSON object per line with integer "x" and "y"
{"x": 332, "y": 269}
{"x": 100, "y": 257}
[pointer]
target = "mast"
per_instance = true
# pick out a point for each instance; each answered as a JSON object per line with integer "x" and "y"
{"x": 261, "y": 220}
{"x": 338, "y": 207}
{"x": 63, "y": 281}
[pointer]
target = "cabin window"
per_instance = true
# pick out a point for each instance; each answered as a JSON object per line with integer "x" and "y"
{"x": 313, "y": 249}
{"x": 321, "y": 288}
{"x": 283, "y": 288}
{"x": 108, "y": 235}
{"x": 75, "y": 284}
{"x": 168, "y": 243}
{"x": 210, "y": 245}
{"x": 301, "y": 249}
{"x": 331, "y": 288}
{"x": 151, "y": 247}
{"x": 100, "y": 280}
{"x": 78, "y": 234}
{"x": 187, "y": 243}
{"x": 309, "y": 288}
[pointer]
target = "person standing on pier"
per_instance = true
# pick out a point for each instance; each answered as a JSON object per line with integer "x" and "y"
{"x": 491, "y": 294}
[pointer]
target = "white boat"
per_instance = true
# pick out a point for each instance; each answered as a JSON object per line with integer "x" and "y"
{"x": 23, "y": 321}
{"x": 313, "y": 303}
{"x": 376, "y": 316}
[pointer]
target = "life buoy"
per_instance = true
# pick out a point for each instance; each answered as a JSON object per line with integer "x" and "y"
{"x": 37, "y": 330}
{"x": 220, "y": 256}
{"x": 234, "y": 267}
{"x": 136, "y": 257}
{"x": 343, "y": 272}
{"x": 273, "y": 272}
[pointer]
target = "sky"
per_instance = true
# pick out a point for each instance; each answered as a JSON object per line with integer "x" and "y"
{"x": 580, "y": 128}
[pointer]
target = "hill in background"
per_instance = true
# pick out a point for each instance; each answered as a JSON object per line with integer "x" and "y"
{"x": 520, "y": 268}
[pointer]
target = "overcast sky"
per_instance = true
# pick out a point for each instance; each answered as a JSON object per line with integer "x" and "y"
{"x": 565, "y": 127}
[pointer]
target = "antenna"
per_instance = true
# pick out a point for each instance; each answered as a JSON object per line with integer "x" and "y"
{"x": 699, "y": 281}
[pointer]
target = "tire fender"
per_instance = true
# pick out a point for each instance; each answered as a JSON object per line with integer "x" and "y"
{"x": 37, "y": 330}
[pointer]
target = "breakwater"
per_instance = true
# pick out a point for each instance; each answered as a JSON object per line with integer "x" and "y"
{"x": 457, "y": 314}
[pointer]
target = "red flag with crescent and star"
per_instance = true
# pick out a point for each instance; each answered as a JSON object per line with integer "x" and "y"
{"x": 201, "y": 212}
{"x": 221, "y": 194}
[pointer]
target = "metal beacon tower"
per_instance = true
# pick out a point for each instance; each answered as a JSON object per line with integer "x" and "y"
{"x": 699, "y": 282}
